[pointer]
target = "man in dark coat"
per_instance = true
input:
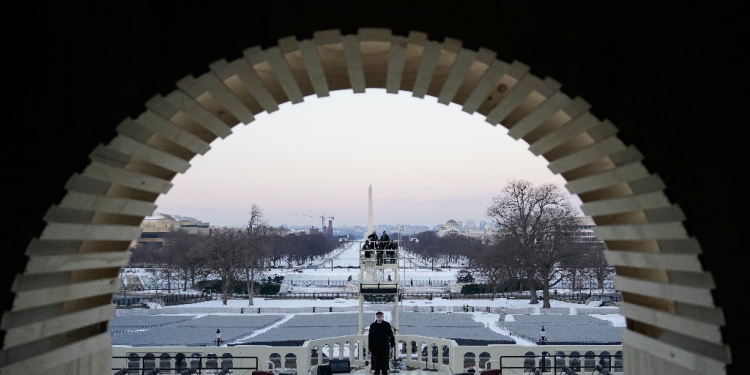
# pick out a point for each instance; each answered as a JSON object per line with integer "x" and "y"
{"x": 373, "y": 236}
{"x": 379, "y": 342}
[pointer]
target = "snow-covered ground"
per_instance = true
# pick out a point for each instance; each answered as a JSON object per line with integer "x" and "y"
{"x": 616, "y": 319}
{"x": 262, "y": 302}
{"x": 346, "y": 256}
{"x": 349, "y": 256}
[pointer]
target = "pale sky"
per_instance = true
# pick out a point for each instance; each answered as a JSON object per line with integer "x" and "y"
{"x": 427, "y": 163}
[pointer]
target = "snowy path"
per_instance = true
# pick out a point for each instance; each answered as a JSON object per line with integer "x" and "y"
{"x": 263, "y": 330}
{"x": 489, "y": 321}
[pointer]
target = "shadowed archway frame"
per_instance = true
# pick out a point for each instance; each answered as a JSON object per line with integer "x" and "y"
{"x": 60, "y": 301}
{"x": 88, "y": 232}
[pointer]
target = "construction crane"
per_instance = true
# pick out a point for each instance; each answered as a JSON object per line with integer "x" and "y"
{"x": 322, "y": 219}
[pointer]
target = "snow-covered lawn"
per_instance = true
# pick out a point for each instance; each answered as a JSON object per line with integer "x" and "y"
{"x": 194, "y": 328}
{"x": 262, "y": 302}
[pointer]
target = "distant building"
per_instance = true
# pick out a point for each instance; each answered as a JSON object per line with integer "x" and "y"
{"x": 586, "y": 227}
{"x": 482, "y": 224}
{"x": 155, "y": 226}
{"x": 470, "y": 225}
{"x": 452, "y": 227}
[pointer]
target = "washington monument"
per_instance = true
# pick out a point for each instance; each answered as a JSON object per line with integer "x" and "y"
{"x": 369, "y": 211}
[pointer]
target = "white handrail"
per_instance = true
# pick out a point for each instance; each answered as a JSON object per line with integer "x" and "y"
{"x": 487, "y": 364}
{"x": 273, "y": 368}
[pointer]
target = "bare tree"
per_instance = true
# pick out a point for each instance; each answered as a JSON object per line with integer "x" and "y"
{"x": 573, "y": 268}
{"x": 176, "y": 245}
{"x": 595, "y": 263}
{"x": 254, "y": 250}
{"x": 224, "y": 256}
{"x": 491, "y": 265}
{"x": 156, "y": 278}
{"x": 123, "y": 282}
{"x": 143, "y": 253}
{"x": 541, "y": 223}
{"x": 186, "y": 254}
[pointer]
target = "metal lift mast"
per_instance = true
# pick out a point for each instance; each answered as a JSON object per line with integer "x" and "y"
{"x": 379, "y": 278}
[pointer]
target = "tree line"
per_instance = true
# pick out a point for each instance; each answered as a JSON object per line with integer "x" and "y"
{"x": 536, "y": 247}
{"x": 234, "y": 255}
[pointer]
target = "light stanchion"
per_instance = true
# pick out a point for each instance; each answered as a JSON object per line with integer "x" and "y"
{"x": 218, "y": 340}
{"x": 543, "y": 339}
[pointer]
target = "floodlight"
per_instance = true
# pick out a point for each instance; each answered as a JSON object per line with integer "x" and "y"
{"x": 218, "y": 340}
{"x": 543, "y": 334}
{"x": 535, "y": 371}
{"x": 154, "y": 371}
{"x": 568, "y": 371}
{"x": 123, "y": 371}
{"x": 189, "y": 372}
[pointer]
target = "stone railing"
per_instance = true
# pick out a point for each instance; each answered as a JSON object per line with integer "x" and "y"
{"x": 367, "y": 308}
{"x": 442, "y": 354}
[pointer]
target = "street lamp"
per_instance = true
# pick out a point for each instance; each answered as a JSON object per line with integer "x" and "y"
{"x": 218, "y": 340}
{"x": 543, "y": 334}
{"x": 415, "y": 239}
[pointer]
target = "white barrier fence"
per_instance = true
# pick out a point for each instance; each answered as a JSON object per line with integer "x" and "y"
{"x": 555, "y": 311}
{"x": 603, "y": 311}
{"x": 443, "y": 354}
{"x": 368, "y": 308}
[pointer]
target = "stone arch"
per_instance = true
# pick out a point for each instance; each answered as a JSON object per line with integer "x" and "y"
{"x": 227, "y": 361}
{"x": 72, "y": 269}
{"x": 618, "y": 362}
{"x": 484, "y": 357}
{"x": 165, "y": 362}
{"x": 180, "y": 363}
{"x": 434, "y": 352}
{"x": 560, "y": 359}
{"x": 275, "y": 358}
{"x": 469, "y": 359}
{"x": 574, "y": 361}
{"x": 290, "y": 361}
{"x": 446, "y": 353}
{"x": 529, "y": 361}
{"x": 402, "y": 349}
{"x": 605, "y": 359}
{"x": 589, "y": 361}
